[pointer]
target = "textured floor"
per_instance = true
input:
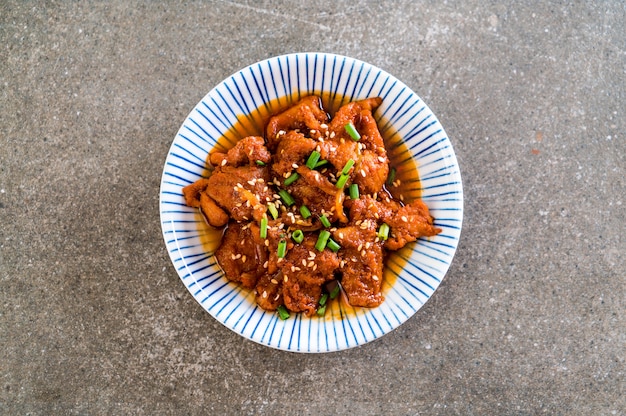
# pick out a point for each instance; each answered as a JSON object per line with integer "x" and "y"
{"x": 530, "y": 318}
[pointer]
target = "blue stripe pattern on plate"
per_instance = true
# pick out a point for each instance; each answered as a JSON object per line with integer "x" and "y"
{"x": 417, "y": 270}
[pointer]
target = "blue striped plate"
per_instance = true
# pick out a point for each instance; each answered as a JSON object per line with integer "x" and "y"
{"x": 236, "y": 107}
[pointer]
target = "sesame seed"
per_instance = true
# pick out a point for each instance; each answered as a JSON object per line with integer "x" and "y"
{"x": 274, "y": 281}
{"x": 332, "y": 134}
{"x": 315, "y": 267}
{"x": 374, "y": 277}
{"x": 368, "y": 244}
{"x": 341, "y": 235}
{"x": 360, "y": 247}
{"x": 243, "y": 259}
{"x": 252, "y": 182}
{"x": 401, "y": 197}
{"x": 267, "y": 243}
{"x": 294, "y": 165}
{"x": 363, "y": 253}
{"x": 224, "y": 162}
{"x": 404, "y": 218}
{"x": 381, "y": 159}
{"x": 264, "y": 294}
{"x": 342, "y": 263}
{"x": 342, "y": 141}
{"x": 313, "y": 131}
{"x": 267, "y": 263}
{"x": 277, "y": 296}
{"x": 363, "y": 173}
{"x": 310, "y": 264}
{"x": 376, "y": 240}
{"x": 304, "y": 262}
{"x": 293, "y": 268}
{"x": 280, "y": 260}
{"x": 286, "y": 278}
{"x": 234, "y": 257}
{"x": 323, "y": 126}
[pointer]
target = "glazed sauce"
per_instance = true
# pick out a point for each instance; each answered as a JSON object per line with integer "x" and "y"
{"x": 406, "y": 188}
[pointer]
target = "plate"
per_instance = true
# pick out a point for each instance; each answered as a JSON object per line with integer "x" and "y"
{"x": 236, "y": 107}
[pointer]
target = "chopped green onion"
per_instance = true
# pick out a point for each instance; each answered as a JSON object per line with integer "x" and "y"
{"x": 322, "y": 240}
{"x": 273, "y": 211}
{"x": 323, "y": 299}
{"x": 333, "y": 245}
{"x": 286, "y": 197}
{"x": 282, "y": 249}
{"x": 298, "y": 236}
{"x": 351, "y": 130}
{"x": 263, "y": 230}
{"x": 354, "y": 191}
{"x": 321, "y": 163}
{"x": 335, "y": 292}
{"x": 260, "y": 163}
{"x": 325, "y": 221}
{"x": 304, "y": 210}
{"x": 347, "y": 167}
{"x": 291, "y": 179}
{"x": 341, "y": 182}
{"x": 312, "y": 160}
{"x": 321, "y": 310}
{"x": 283, "y": 313}
{"x": 391, "y": 177}
{"x": 383, "y": 231}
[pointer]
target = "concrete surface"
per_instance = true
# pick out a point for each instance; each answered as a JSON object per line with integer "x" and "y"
{"x": 530, "y": 318}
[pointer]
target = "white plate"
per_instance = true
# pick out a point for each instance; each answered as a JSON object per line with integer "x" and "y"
{"x": 412, "y": 274}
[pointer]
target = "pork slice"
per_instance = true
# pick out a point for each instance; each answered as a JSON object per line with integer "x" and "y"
{"x": 249, "y": 150}
{"x": 362, "y": 262}
{"x": 241, "y": 191}
{"x": 242, "y": 254}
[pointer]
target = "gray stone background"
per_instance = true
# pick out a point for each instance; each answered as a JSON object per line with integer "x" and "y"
{"x": 530, "y": 318}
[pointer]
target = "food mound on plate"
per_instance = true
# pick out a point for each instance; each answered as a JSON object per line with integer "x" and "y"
{"x": 306, "y": 209}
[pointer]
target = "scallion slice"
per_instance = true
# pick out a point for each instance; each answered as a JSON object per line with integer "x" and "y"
{"x": 283, "y": 313}
{"x": 335, "y": 292}
{"x": 324, "y": 220}
{"x": 351, "y": 130}
{"x": 322, "y": 240}
{"x": 312, "y": 160}
{"x": 260, "y": 163}
{"x": 321, "y": 310}
{"x": 354, "y": 191}
{"x": 286, "y": 197}
{"x": 347, "y": 167}
{"x": 333, "y": 245}
{"x": 321, "y": 163}
{"x": 383, "y": 231}
{"x": 304, "y": 210}
{"x": 323, "y": 299}
{"x": 292, "y": 178}
{"x": 392, "y": 176}
{"x": 297, "y": 236}
{"x": 263, "y": 229}
{"x": 273, "y": 210}
{"x": 341, "y": 182}
{"x": 282, "y": 249}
